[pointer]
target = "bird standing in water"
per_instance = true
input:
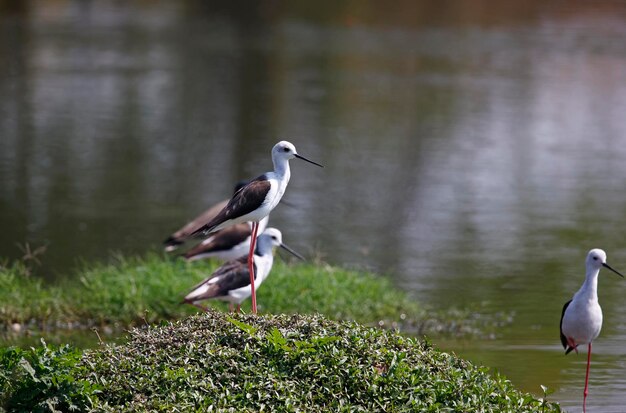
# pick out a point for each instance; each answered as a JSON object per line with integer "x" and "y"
{"x": 581, "y": 319}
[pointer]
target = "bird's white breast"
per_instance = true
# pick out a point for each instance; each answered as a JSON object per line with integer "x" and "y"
{"x": 277, "y": 189}
{"x": 582, "y": 321}
{"x": 264, "y": 266}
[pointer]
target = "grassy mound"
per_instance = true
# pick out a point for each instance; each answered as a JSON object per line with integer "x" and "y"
{"x": 134, "y": 291}
{"x": 286, "y": 363}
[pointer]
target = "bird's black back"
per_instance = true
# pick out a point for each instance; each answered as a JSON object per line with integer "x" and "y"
{"x": 563, "y": 338}
{"x": 244, "y": 201}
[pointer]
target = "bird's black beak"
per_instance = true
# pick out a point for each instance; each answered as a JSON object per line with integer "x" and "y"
{"x": 295, "y": 254}
{"x": 308, "y": 160}
{"x": 605, "y": 265}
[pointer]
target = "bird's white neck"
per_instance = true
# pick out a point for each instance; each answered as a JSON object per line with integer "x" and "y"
{"x": 281, "y": 169}
{"x": 263, "y": 246}
{"x": 264, "y": 263}
{"x": 589, "y": 288}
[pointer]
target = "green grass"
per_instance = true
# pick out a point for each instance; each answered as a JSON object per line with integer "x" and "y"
{"x": 245, "y": 363}
{"x": 139, "y": 290}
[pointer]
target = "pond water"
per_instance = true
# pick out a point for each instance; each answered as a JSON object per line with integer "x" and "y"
{"x": 474, "y": 152}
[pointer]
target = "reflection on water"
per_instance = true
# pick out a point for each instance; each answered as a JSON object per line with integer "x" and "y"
{"x": 473, "y": 152}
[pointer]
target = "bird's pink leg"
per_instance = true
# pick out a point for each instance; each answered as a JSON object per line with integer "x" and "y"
{"x": 255, "y": 227}
{"x": 587, "y": 379}
{"x": 231, "y": 308}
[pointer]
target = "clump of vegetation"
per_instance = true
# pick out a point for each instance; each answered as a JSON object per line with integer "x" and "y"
{"x": 139, "y": 290}
{"x": 42, "y": 380}
{"x": 284, "y": 363}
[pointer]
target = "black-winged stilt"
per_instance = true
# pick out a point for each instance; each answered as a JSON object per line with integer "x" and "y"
{"x": 232, "y": 282}
{"x": 581, "y": 319}
{"x": 256, "y": 200}
{"x": 179, "y": 237}
{"x": 226, "y": 244}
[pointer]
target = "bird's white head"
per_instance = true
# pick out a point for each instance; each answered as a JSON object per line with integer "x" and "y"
{"x": 596, "y": 259}
{"x": 284, "y": 150}
{"x": 273, "y": 236}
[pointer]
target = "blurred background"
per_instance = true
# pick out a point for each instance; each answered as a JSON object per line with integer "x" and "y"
{"x": 474, "y": 151}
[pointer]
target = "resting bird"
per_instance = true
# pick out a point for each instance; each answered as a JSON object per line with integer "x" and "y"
{"x": 231, "y": 281}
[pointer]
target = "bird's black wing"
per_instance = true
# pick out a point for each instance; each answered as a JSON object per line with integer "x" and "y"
{"x": 246, "y": 200}
{"x": 179, "y": 237}
{"x": 230, "y": 266}
{"x": 221, "y": 240}
{"x": 237, "y": 279}
{"x": 563, "y": 338}
{"x": 230, "y": 276}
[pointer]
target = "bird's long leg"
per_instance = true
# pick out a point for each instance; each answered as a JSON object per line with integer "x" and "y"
{"x": 255, "y": 227}
{"x": 587, "y": 379}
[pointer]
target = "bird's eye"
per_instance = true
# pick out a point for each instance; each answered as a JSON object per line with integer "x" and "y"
{"x": 274, "y": 238}
{"x": 595, "y": 258}
{"x": 285, "y": 149}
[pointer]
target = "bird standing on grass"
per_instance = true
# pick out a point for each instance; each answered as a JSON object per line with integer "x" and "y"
{"x": 255, "y": 201}
{"x": 231, "y": 281}
{"x": 581, "y": 319}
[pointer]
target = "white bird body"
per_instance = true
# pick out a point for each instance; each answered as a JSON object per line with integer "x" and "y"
{"x": 582, "y": 320}
{"x": 278, "y": 179}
